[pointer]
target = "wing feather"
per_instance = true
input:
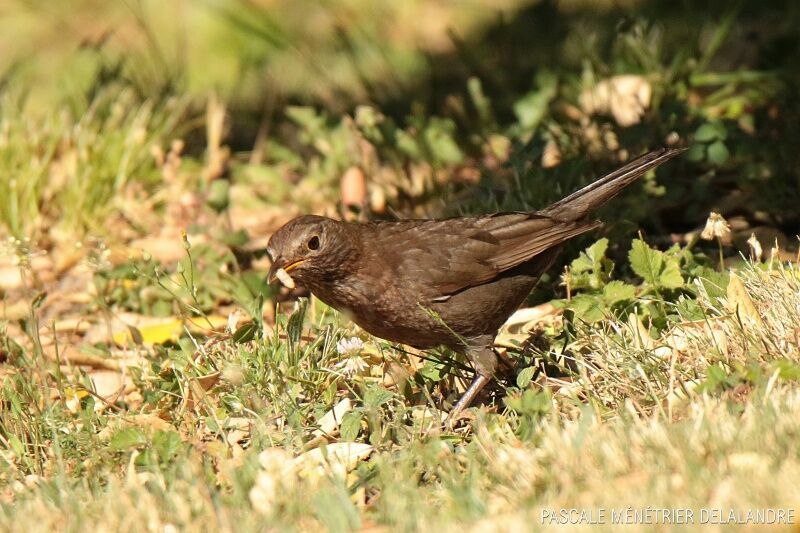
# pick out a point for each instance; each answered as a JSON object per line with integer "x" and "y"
{"x": 451, "y": 255}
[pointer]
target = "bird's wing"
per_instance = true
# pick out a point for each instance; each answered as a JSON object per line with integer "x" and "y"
{"x": 451, "y": 255}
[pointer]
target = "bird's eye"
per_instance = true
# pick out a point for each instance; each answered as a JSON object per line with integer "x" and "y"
{"x": 313, "y": 243}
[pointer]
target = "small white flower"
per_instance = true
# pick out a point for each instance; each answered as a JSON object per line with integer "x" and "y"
{"x": 353, "y": 363}
{"x": 351, "y": 366}
{"x": 349, "y": 346}
{"x": 716, "y": 227}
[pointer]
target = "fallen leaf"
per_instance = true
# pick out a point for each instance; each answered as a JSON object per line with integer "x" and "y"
{"x": 353, "y": 187}
{"x": 71, "y": 354}
{"x": 333, "y": 459}
{"x": 551, "y": 157}
{"x": 108, "y": 384}
{"x": 15, "y": 310}
{"x": 739, "y": 301}
{"x": 148, "y": 422}
{"x": 10, "y": 277}
{"x": 517, "y": 328}
{"x": 528, "y": 317}
{"x": 330, "y": 421}
{"x": 72, "y": 398}
{"x": 625, "y": 97}
{"x": 238, "y": 429}
{"x": 150, "y": 334}
{"x": 198, "y": 388}
{"x": 687, "y": 337}
{"x": 131, "y": 329}
{"x": 209, "y": 380}
{"x": 166, "y": 248}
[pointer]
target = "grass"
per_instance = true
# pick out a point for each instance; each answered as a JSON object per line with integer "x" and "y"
{"x": 152, "y": 380}
{"x": 207, "y": 437}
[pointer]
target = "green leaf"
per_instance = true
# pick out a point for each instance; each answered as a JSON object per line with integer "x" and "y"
{"x": 531, "y": 109}
{"x": 787, "y": 370}
{"x": 294, "y": 328}
{"x": 167, "y": 444}
{"x": 218, "y": 195}
{"x": 16, "y": 445}
{"x": 279, "y": 188}
{"x": 38, "y": 300}
{"x": 479, "y": 100}
{"x": 256, "y": 307}
{"x": 590, "y": 258}
{"x": 407, "y": 144}
{"x": 245, "y": 333}
{"x": 670, "y": 276}
{"x": 717, "y": 379}
{"x": 235, "y": 239}
{"x": 530, "y": 402}
{"x": 127, "y": 438}
{"x": 441, "y": 142}
{"x": 709, "y": 132}
{"x": 696, "y": 152}
{"x": 617, "y": 291}
{"x": 252, "y": 284}
{"x": 689, "y": 309}
{"x": 377, "y": 396}
{"x": 645, "y": 262}
{"x": 351, "y": 425}
{"x": 591, "y": 269}
{"x": 715, "y": 283}
{"x": 588, "y": 307}
{"x": 654, "y": 267}
{"x": 433, "y": 370}
{"x": 367, "y": 116}
{"x": 525, "y": 376}
{"x": 212, "y": 424}
{"x": 307, "y": 118}
{"x": 718, "y": 153}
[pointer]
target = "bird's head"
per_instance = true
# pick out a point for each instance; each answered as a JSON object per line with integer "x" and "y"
{"x": 310, "y": 248}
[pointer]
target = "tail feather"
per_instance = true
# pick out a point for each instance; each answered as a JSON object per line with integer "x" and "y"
{"x": 579, "y": 204}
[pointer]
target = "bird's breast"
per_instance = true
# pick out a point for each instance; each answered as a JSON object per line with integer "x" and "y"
{"x": 384, "y": 308}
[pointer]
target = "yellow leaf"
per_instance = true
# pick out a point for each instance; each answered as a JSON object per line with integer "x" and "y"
{"x": 154, "y": 333}
{"x": 150, "y": 331}
{"x": 70, "y": 393}
{"x": 739, "y": 300}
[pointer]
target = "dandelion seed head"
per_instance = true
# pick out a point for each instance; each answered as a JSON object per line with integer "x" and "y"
{"x": 716, "y": 227}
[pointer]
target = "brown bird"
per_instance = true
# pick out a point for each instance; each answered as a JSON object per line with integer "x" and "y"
{"x": 450, "y": 282}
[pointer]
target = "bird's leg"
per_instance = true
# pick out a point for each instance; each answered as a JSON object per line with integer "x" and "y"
{"x": 483, "y": 358}
{"x": 477, "y": 385}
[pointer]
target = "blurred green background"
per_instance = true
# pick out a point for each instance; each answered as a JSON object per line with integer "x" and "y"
{"x": 436, "y": 103}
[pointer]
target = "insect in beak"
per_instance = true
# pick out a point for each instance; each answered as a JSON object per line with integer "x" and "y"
{"x": 278, "y": 272}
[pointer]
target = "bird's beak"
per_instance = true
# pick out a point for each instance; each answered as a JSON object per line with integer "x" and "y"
{"x": 278, "y": 264}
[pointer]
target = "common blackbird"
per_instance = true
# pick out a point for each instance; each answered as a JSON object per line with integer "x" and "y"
{"x": 450, "y": 282}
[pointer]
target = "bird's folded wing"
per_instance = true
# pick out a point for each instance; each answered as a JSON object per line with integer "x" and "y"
{"x": 451, "y": 255}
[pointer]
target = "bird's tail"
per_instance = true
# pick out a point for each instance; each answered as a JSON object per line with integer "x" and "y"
{"x": 579, "y": 204}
